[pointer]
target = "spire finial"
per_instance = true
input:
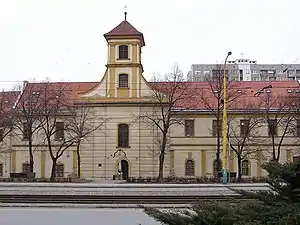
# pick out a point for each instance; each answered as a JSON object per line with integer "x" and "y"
{"x": 125, "y": 11}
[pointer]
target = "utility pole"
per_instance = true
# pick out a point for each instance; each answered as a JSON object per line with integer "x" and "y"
{"x": 224, "y": 161}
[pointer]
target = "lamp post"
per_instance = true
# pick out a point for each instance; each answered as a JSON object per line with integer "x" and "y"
{"x": 224, "y": 161}
{"x": 120, "y": 173}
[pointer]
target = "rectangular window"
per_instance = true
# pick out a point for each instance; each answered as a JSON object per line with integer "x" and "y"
{"x": 296, "y": 158}
{"x": 123, "y": 81}
{"x": 215, "y": 128}
{"x": 26, "y": 168}
{"x": 206, "y": 72}
{"x": 26, "y": 131}
{"x": 123, "y": 52}
{"x": 245, "y": 168}
{"x": 1, "y": 134}
{"x": 189, "y": 127}
{"x": 59, "y": 130}
{"x": 272, "y": 127}
{"x": 244, "y": 128}
{"x": 60, "y": 170}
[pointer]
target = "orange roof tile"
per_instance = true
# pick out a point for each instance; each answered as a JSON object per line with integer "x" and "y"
{"x": 71, "y": 90}
{"x": 241, "y": 94}
{"x": 7, "y": 101}
{"x": 198, "y": 94}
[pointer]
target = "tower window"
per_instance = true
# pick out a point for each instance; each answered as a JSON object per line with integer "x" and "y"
{"x": 123, "y": 52}
{"x": 123, "y": 81}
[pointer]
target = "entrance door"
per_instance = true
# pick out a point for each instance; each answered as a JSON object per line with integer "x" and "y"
{"x": 124, "y": 165}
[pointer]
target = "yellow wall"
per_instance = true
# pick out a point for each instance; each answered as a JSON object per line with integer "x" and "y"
{"x": 116, "y": 67}
{"x": 75, "y": 158}
{"x": 203, "y": 163}
{"x": 134, "y": 82}
{"x": 123, "y": 92}
{"x": 288, "y": 155}
{"x": 13, "y": 161}
{"x": 232, "y": 161}
{"x": 43, "y": 163}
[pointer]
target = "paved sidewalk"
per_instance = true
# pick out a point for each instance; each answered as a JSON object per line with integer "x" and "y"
{"x": 122, "y": 184}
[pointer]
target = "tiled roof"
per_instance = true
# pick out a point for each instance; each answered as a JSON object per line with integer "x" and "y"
{"x": 125, "y": 29}
{"x": 241, "y": 95}
{"x": 200, "y": 95}
{"x": 71, "y": 90}
{"x": 8, "y": 99}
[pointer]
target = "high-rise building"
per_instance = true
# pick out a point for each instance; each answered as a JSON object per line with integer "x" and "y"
{"x": 246, "y": 70}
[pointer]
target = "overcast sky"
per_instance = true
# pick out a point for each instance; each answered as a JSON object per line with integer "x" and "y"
{"x": 63, "y": 39}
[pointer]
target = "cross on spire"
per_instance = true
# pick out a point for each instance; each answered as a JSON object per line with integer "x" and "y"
{"x": 125, "y": 12}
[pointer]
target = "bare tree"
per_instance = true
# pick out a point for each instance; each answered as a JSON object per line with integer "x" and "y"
{"x": 57, "y": 103}
{"x": 212, "y": 98}
{"x": 278, "y": 112}
{"x": 7, "y": 101}
{"x": 82, "y": 122}
{"x": 170, "y": 97}
{"x": 244, "y": 135}
{"x": 294, "y": 128}
{"x": 27, "y": 116}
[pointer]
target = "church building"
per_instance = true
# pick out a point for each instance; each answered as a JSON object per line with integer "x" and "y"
{"x": 116, "y": 101}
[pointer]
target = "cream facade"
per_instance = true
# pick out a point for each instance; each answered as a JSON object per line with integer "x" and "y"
{"x": 122, "y": 96}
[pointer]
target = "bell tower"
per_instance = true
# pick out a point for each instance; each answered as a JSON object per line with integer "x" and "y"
{"x": 124, "y": 67}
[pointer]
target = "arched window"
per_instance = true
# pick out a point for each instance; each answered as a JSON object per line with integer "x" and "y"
{"x": 190, "y": 167}
{"x": 123, "y": 52}
{"x": 245, "y": 167}
{"x": 123, "y": 80}
{"x": 216, "y": 166}
{"x": 123, "y": 135}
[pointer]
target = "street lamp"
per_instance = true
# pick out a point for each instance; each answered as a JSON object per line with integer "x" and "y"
{"x": 120, "y": 173}
{"x": 224, "y": 161}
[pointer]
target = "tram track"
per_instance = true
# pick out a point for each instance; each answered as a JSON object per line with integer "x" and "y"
{"x": 111, "y": 199}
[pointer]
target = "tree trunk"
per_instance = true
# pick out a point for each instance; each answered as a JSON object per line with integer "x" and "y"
{"x": 278, "y": 153}
{"x": 161, "y": 166}
{"x": 78, "y": 160}
{"x": 239, "y": 161}
{"x": 53, "y": 171}
{"x": 273, "y": 149}
{"x": 31, "y": 161}
{"x": 162, "y": 158}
